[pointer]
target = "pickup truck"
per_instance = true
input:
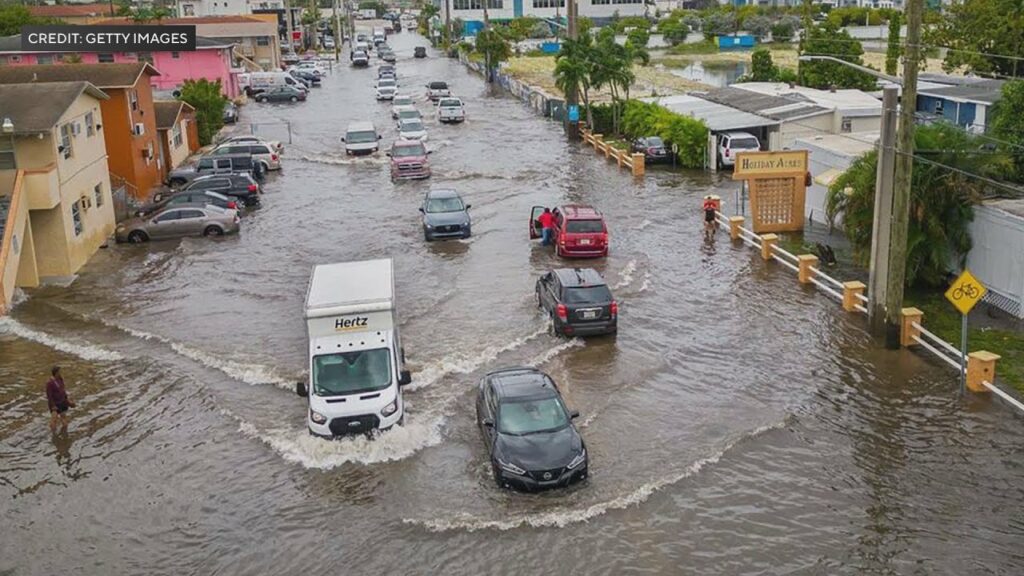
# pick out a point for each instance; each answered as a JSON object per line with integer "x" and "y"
{"x": 450, "y": 110}
{"x": 438, "y": 90}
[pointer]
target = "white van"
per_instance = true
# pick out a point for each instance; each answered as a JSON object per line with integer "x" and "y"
{"x": 356, "y": 362}
{"x": 262, "y": 81}
{"x": 361, "y": 138}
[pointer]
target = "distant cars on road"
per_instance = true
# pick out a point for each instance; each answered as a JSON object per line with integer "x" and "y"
{"x": 579, "y": 230}
{"x": 409, "y": 160}
{"x": 450, "y": 110}
{"x": 437, "y": 90}
{"x": 281, "y": 94}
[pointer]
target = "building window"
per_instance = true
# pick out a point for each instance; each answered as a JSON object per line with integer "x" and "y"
{"x": 548, "y": 3}
{"x": 188, "y": 10}
{"x": 105, "y": 57}
{"x": 65, "y": 141}
{"x": 479, "y": 4}
{"x": 176, "y": 135}
{"x": 847, "y": 124}
{"x": 44, "y": 59}
{"x": 175, "y": 55}
{"x": 76, "y": 217}
{"x": 263, "y": 40}
{"x": 7, "y": 154}
{"x": 146, "y": 57}
{"x": 90, "y": 124}
{"x": 97, "y": 190}
{"x": 133, "y": 99}
{"x": 938, "y": 107}
{"x": 149, "y": 153}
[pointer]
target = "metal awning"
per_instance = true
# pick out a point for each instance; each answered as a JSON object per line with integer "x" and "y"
{"x": 717, "y": 117}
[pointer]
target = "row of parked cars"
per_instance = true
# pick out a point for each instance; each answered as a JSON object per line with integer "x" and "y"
{"x": 207, "y": 197}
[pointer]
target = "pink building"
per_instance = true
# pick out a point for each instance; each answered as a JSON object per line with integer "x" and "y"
{"x": 211, "y": 60}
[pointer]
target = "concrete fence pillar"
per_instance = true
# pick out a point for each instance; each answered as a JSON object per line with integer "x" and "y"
{"x": 850, "y": 292}
{"x": 981, "y": 367}
{"x": 767, "y": 242}
{"x": 638, "y": 164}
{"x": 735, "y": 223}
{"x": 907, "y": 331}
{"x": 805, "y": 262}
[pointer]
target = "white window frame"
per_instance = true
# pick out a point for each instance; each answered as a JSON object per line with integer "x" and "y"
{"x": 133, "y": 99}
{"x": 77, "y": 225}
{"x": 176, "y": 138}
{"x": 7, "y": 151}
{"x": 97, "y": 190}
{"x": 90, "y": 124}
{"x": 66, "y": 140}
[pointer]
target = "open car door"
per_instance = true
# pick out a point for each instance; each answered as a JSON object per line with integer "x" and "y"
{"x": 535, "y": 213}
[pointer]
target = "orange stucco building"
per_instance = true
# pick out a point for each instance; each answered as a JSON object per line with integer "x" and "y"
{"x": 129, "y": 117}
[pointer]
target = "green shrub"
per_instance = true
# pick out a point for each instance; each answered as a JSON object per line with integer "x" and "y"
{"x": 207, "y": 99}
{"x": 688, "y": 134}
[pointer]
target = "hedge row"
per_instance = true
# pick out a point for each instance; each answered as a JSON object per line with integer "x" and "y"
{"x": 689, "y": 134}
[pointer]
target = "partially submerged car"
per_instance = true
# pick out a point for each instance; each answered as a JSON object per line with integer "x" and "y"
{"x": 409, "y": 160}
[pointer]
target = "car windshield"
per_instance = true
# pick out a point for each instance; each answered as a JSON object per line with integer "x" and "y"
{"x": 361, "y": 137}
{"x": 412, "y": 126}
{"x": 409, "y": 114}
{"x": 402, "y": 101}
{"x": 655, "y": 141}
{"x": 585, "y": 226}
{"x": 532, "y": 416}
{"x": 438, "y": 85}
{"x": 587, "y": 295}
{"x": 743, "y": 143}
{"x": 449, "y": 204}
{"x": 351, "y": 372}
{"x": 406, "y": 150}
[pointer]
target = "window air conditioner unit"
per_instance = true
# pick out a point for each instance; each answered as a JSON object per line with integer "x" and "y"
{"x": 146, "y": 154}
{"x": 140, "y": 128}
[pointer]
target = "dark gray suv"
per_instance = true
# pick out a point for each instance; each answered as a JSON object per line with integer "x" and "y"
{"x": 578, "y": 301}
{"x": 241, "y": 187}
{"x": 445, "y": 215}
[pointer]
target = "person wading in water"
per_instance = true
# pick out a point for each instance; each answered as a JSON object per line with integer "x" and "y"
{"x": 58, "y": 401}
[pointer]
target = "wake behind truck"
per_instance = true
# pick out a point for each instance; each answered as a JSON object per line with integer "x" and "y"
{"x": 356, "y": 363}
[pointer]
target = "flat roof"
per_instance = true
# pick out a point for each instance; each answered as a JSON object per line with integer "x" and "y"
{"x": 775, "y": 107}
{"x": 847, "y": 100}
{"x": 717, "y": 117}
{"x": 853, "y": 144}
{"x": 349, "y": 283}
{"x": 984, "y": 92}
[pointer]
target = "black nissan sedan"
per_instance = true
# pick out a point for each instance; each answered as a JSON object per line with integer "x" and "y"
{"x": 528, "y": 431}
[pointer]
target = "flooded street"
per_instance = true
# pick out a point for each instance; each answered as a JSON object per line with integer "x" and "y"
{"x": 736, "y": 425}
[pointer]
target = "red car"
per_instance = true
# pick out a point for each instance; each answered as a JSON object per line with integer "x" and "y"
{"x": 580, "y": 231}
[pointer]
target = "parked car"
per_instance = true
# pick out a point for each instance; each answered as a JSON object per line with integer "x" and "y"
{"x": 361, "y": 138}
{"x": 450, "y": 110}
{"x": 328, "y": 42}
{"x": 281, "y": 94}
{"x": 652, "y": 147}
{"x": 445, "y": 215}
{"x": 409, "y": 160}
{"x": 408, "y": 114}
{"x": 230, "y": 113}
{"x": 436, "y": 90}
{"x": 360, "y": 59}
{"x": 400, "y": 103}
{"x": 419, "y": 52}
{"x": 312, "y": 66}
{"x": 226, "y": 164}
{"x": 250, "y": 138}
{"x": 578, "y": 301}
{"x": 579, "y": 230}
{"x": 177, "y": 222}
{"x": 260, "y": 151}
{"x": 387, "y": 55}
{"x": 239, "y": 186}
{"x": 412, "y": 129}
{"x": 163, "y": 200}
{"x": 730, "y": 143}
{"x": 306, "y": 75}
{"x": 528, "y": 431}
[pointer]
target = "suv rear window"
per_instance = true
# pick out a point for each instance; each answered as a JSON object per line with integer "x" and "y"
{"x": 585, "y": 226}
{"x": 587, "y": 295}
{"x": 438, "y": 85}
{"x": 743, "y": 143}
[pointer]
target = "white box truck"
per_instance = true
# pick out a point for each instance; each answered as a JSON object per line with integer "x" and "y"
{"x": 356, "y": 363}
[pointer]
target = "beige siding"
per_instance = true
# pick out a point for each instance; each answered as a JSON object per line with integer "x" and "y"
{"x": 180, "y": 153}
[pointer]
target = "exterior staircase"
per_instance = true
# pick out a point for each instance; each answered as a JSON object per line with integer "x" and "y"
{"x": 13, "y": 217}
{"x": 5, "y": 206}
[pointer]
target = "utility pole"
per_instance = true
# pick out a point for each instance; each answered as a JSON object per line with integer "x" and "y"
{"x": 291, "y": 24}
{"x": 337, "y": 33}
{"x": 447, "y": 20}
{"x": 572, "y": 98}
{"x": 904, "y": 169}
{"x": 879, "y": 269}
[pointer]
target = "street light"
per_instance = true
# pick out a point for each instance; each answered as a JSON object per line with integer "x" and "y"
{"x": 894, "y": 79}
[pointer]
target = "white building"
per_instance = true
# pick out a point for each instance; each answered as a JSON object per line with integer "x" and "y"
{"x": 225, "y": 7}
{"x": 472, "y": 13}
{"x": 854, "y": 111}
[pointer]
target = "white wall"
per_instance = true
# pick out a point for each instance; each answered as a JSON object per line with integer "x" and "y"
{"x": 999, "y": 267}
{"x": 587, "y": 9}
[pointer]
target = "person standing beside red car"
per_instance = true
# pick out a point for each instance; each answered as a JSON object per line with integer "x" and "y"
{"x": 547, "y": 226}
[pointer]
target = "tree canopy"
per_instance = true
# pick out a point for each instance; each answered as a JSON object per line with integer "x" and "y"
{"x": 984, "y": 36}
{"x": 827, "y": 40}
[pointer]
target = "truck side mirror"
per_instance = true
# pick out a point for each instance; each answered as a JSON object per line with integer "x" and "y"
{"x": 301, "y": 390}
{"x": 574, "y": 414}
{"x": 420, "y": 209}
{"x": 468, "y": 206}
{"x": 342, "y": 138}
{"x": 489, "y": 423}
{"x": 404, "y": 378}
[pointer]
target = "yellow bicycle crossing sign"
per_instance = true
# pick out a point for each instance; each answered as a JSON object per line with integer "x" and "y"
{"x": 965, "y": 292}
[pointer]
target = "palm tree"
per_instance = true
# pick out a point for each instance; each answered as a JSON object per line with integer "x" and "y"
{"x": 573, "y": 69}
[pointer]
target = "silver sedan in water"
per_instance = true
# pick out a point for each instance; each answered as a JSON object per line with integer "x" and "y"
{"x": 176, "y": 222}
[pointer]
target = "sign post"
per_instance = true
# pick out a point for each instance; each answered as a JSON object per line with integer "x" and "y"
{"x": 964, "y": 293}
{"x": 675, "y": 152}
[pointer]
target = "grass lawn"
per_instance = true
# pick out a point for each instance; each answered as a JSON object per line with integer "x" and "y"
{"x": 983, "y": 334}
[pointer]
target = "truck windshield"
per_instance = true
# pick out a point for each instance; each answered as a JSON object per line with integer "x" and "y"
{"x": 407, "y": 150}
{"x": 351, "y": 372}
{"x": 361, "y": 137}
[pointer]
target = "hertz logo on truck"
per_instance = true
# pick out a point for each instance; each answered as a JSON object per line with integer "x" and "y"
{"x": 346, "y": 324}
